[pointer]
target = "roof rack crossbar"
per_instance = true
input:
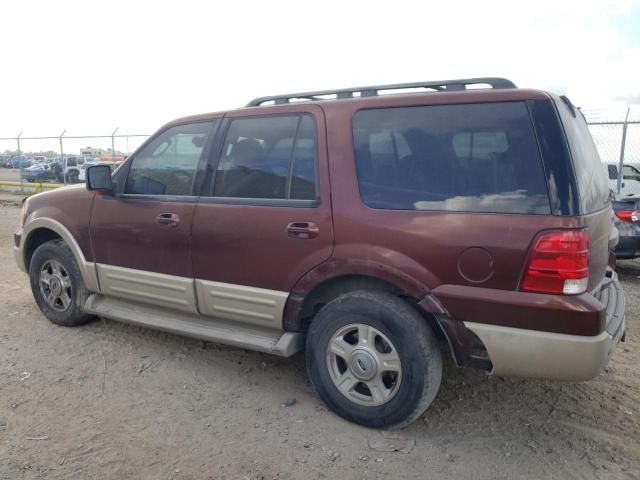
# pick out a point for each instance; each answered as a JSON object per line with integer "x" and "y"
{"x": 372, "y": 91}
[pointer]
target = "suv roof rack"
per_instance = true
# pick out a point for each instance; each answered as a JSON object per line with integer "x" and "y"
{"x": 374, "y": 90}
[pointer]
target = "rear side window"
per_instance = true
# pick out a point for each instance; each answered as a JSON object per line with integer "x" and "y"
{"x": 268, "y": 158}
{"x": 613, "y": 172}
{"x": 470, "y": 158}
{"x": 593, "y": 187}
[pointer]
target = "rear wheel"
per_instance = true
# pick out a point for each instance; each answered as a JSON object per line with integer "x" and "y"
{"x": 57, "y": 284}
{"x": 373, "y": 359}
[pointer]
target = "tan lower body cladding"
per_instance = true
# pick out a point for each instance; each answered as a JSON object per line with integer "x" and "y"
{"x": 256, "y": 306}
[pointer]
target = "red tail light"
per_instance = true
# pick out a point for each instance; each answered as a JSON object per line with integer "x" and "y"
{"x": 628, "y": 215}
{"x": 558, "y": 263}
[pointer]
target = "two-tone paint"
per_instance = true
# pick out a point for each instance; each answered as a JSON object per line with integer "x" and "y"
{"x": 233, "y": 259}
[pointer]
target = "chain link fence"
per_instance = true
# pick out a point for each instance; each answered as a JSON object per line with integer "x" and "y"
{"x": 22, "y": 151}
{"x": 616, "y": 133}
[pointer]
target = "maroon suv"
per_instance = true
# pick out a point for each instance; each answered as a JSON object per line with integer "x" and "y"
{"x": 372, "y": 227}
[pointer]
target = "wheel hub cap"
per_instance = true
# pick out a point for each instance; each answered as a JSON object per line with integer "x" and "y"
{"x": 56, "y": 286}
{"x": 363, "y": 365}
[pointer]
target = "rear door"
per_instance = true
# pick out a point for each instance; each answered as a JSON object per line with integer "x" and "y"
{"x": 264, "y": 218}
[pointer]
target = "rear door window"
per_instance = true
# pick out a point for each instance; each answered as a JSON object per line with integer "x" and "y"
{"x": 268, "y": 158}
{"x": 470, "y": 158}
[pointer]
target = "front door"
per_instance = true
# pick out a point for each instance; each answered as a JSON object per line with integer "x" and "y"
{"x": 265, "y": 218}
{"x": 142, "y": 238}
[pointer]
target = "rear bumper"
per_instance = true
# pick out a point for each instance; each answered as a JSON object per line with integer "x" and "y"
{"x": 555, "y": 356}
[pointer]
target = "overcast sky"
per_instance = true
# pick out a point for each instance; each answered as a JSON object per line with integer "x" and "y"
{"x": 89, "y": 66}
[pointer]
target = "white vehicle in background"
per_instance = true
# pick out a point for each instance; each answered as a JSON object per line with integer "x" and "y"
{"x": 71, "y": 169}
{"x": 630, "y": 184}
{"x": 83, "y": 163}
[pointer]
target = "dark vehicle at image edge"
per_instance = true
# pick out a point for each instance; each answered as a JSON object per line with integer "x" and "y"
{"x": 377, "y": 231}
{"x": 627, "y": 221}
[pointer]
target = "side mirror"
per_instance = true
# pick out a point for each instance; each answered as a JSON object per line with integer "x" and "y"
{"x": 99, "y": 178}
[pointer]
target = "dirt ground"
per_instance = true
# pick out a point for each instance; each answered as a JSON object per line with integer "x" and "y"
{"x": 109, "y": 400}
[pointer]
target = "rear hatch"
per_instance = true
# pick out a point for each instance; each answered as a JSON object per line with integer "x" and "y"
{"x": 593, "y": 201}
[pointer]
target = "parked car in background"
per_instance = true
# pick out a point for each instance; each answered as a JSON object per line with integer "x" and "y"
{"x": 375, "y": 231}
{"x": 39, "y": 172}
{"x": 40, "y": 159}
{"x": 630, "y": 184}
{"x": 69, "y": 169}
{"x": 19, "y": 161}
{"x": 627, "y": 221}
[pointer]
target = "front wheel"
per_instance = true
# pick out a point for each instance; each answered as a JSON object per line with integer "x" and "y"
{"x": 373, "y": 359}
{"x": 57, "y": 285}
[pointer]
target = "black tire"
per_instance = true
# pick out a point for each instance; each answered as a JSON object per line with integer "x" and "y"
{"x": 58, "y": 251}
{"x": 73, "y": 176}
{"x": 412, "y": 338}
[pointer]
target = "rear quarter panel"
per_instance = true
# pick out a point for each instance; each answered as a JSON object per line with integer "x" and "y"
{"x": 426, "y": 245}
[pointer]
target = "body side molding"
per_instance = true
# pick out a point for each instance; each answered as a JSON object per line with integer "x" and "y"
{"x": 257, "y": 306}
{"x": 159, "y": 289}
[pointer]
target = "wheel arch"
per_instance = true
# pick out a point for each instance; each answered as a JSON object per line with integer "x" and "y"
{"x": 331, "y": 280}
{"x": 36, "y": 238}
{"x": 44, "y": 229}
{"x": 334, "y": 278}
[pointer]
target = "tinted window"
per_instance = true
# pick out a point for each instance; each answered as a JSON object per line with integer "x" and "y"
{"x": 593, "y": 187}
{"x": 613, "y": 172}
{"x": 167, "y": 165}
{"x": 630, "y": 172}
{"x": 268, "y": 157}
{"x": 476, "y": 158}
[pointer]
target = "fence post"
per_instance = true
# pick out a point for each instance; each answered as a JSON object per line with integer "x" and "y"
{"x": 63, "y": 161}
{"x": 21, "y": 165}
{"x": 113, "y": 148}
{"x": 622, "y": 146}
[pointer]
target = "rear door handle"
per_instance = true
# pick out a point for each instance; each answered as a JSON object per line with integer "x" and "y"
{"x": 168, "y": 219}
{"x": 303, "y": 230}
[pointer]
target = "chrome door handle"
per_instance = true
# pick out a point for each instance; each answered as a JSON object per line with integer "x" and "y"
{"x": 303, "y": 230}
{"x": 168, "y": 219}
